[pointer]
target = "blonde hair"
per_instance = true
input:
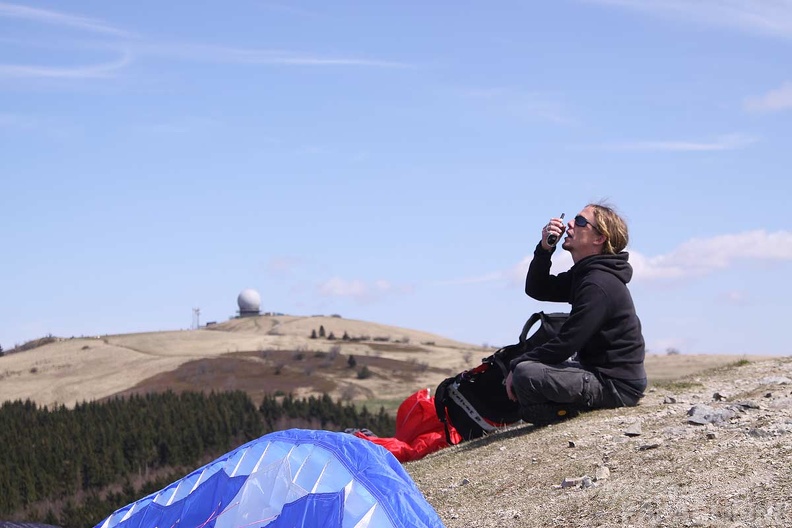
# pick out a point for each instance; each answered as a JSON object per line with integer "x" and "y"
{"x": 611, "y": 226}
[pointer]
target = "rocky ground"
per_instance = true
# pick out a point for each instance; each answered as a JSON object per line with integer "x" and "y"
{"x": 714, "y": 450}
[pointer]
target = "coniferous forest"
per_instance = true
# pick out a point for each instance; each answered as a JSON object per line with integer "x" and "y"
{"x": 73, "y": 467}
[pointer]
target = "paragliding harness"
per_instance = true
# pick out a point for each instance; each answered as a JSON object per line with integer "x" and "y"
{"x": 475, "y": 401}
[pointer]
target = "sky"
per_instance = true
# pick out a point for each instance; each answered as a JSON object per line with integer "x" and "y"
{"x": 392, "y": 162}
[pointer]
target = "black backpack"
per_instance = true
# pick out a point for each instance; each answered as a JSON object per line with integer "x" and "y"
{"x": 475, "y": 401}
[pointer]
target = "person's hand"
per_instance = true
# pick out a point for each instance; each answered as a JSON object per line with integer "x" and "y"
{"x": 509, "y": 391}
{"x": 554, "y": 227}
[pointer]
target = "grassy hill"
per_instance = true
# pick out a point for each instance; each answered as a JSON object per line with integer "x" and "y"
{"x": 265, "y": 354}
{"x": 643, "y": 466}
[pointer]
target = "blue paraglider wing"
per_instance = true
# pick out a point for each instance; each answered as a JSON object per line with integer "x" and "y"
{"x": 288, "y": 479}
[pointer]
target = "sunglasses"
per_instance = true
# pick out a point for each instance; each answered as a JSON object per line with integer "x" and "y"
{"x": 580, "y": 221}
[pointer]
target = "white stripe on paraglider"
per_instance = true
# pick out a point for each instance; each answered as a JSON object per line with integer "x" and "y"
{"x": 365, "y": 521}
{"x": 198, "y": 482}
{"x": 300, "y": 468}
{"x": 321, "y": 474}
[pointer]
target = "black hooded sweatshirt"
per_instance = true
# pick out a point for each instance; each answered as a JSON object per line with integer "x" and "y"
{"x": 602, "y": 327}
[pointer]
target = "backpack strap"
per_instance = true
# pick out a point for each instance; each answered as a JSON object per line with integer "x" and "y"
{"x": 538, "y": 316}
{"x": 498, "y": 359}
{"x": 464, "y": 404}
{"x": 441, "y": 396}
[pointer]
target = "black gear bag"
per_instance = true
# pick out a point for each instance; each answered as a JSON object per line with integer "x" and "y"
{"x": 475, "y": 401}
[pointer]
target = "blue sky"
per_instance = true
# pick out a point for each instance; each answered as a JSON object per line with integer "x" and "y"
{"x": 393, "y": 163}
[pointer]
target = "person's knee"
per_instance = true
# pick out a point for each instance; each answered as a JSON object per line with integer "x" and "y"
{"x": 528, "y": 371}
{"x": 526, "y": 380}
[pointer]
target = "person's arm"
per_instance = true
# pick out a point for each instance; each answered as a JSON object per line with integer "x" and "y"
{"x": 542, "y": 286}
{"x": 588, "y": 314}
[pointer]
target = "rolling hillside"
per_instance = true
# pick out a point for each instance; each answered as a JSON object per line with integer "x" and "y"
{"x": 256, "y": 354}
{"x": 265, "y": 354}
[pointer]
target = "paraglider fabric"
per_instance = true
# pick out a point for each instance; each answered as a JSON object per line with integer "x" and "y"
{"x": 294, "y": 478}
{"x": 418, "y": 430}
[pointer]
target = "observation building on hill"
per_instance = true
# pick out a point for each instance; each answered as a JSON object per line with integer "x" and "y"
{"x": 249, "y": 302}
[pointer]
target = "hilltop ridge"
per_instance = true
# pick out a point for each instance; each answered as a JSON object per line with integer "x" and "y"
{"x": 256, "y": 354}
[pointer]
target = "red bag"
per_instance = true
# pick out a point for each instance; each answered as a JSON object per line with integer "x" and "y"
{"x": 418, "y": 430}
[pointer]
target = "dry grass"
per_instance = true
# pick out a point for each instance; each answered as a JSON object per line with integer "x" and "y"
{"x": 242, "y": 354}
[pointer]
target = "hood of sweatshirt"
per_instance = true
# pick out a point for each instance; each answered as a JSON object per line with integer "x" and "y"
{"x": 616, "y": 265}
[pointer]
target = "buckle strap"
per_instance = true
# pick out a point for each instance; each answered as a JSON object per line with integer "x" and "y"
{"x": 459, "y": 399}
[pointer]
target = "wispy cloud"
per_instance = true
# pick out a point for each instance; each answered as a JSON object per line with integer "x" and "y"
{"x": 130, "y": 45}
{"x": 224, "y": 54}
{"x": 116, "y": 37}
{"x": 56, "y": 18}
{"x": 515, "y": 275}
{"x": 562, "y": 261}
{"x": 773, "y": 101}
{"x": 727, "y": 142}
{"x": 766, "y": 17}
{"x": 360, "y": 291}
{"x": 694, "y": 258}
{"x": 91, "y": 71}
{"x": 700, "y": 257}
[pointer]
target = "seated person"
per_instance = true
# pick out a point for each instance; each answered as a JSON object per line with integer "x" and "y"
{"x": 597, "y": 358}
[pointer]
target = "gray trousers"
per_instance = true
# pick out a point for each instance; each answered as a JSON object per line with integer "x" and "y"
{"x": 564, "y": 383}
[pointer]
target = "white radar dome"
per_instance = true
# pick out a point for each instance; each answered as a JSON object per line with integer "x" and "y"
{"x": 249, "y": 300}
